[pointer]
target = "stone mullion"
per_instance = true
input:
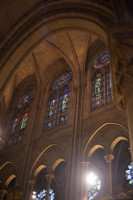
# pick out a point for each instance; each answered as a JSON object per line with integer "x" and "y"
{"x": 57, "y": 108}
{"x": 105, "y": 87}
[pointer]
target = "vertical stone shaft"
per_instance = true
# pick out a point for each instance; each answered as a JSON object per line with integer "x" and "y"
{"x": 108, "y": 159}
{"x": 49, "y": 178}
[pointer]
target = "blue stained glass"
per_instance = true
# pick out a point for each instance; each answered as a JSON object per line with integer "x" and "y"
{"x": 42, "y": 195}
{"x": 62, "y": 80}
{"x": 102, "y": 60}
{"x": 129, "y": 174}
{"x": 27, "y": 98}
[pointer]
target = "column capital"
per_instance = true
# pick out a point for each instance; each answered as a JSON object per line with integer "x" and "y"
{"x": 109, "y": 158}
{"x": 2, "y": 193}
{"x": 85, "y": 164}
{"x": 50, "y": 177}
{"x": 31, "y": 182}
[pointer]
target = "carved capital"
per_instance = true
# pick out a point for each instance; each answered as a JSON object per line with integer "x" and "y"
{"x": 109, "y": 158}
{"x": 31, "y": 182}
{"x": 49, "y": 177}
{"x": 2, "y": 193}
{"x": 85, "y": 164}
{"x": 129, "y": 149}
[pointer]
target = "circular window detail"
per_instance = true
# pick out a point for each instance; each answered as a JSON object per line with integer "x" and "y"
{"x": 129, "y": 174}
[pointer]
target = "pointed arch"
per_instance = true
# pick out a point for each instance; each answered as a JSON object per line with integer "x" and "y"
{"x": 116, "y": 141}
{"x": 94, "y": 149}
{"x": 57, "y": 162}
{"x": 39, "y": 169}
{"x": 10, "y": 179}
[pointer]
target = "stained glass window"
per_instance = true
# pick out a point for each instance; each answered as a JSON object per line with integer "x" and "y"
{"x": 42, "y": 195}
{"x": 129, "y": 174}
{"x": 57, "y": 111}
{"x": 98, "y": 89}
{"x": 108, "y": 85}
{"x": 63, "y": 105}
{"x": 62, "y": 80}
{"x": 20, "y": 119}
{"x": 94, "y": 186}
{"x": 102, "y": 60}
{"x": 51, "y": 111}
{"x": 101, "y": 82}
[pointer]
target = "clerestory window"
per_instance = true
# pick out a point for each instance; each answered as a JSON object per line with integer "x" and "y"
{"x": 20, "y": 119}
{"x": 57, "y": 110}
{"x": 101, "y": 80}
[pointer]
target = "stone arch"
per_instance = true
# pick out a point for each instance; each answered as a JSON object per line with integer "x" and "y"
{"x": 46, "y": 26}
{"x": 61, "y": 67}
{"x": 9, "y": 180}
{"x": 57, "y": 162}
{"x": 116, "y": 141}
{"x": 105, "y": 130}
{"x": 94, "y": 149}
{"x": 54, "y": 149}
{"x": 8, "y": 171}
{"x": 39, "y": 169}
{"x": 28, "y": 83}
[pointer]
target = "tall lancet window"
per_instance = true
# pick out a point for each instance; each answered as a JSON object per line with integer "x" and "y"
{"x": 51, "y": 111}
{"x": 57, "y": 111}
{"x": 98, "y": 89}
{"x": 63, "y": 105}
{"x": 20, "y": 119}
{"x": 101, "y": 81}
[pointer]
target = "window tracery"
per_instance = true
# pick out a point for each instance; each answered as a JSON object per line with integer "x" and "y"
{"x": 57, "y": 111}
{"x": 20, "y": 119}
{"x": 101, "y": 81}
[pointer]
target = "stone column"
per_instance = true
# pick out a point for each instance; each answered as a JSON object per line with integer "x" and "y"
{"x": 108, "y": 159}
{"x": 30, "y": 188}
{"x": 2, "y": 194}
{"x": 49, "y": 178}
{"x": 84, "y": 186}
{"x": 129, "y": 106}
{"x": 15, "y": 193}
